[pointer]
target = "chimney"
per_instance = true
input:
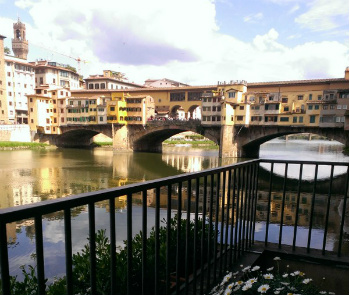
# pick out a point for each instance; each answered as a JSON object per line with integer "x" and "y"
{"x": 347, "y": 73}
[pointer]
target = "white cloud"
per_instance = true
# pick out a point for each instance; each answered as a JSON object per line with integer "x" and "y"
{"x": 252, "y": 18}
{"x": 295, "y": 8}
{"x": 325, "y": 15}
{"x": 177, "y": 40}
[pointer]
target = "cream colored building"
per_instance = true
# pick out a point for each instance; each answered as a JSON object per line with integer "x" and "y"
{"x": 20, "y": 81}
{"x": 109, "y": 80}
{"x": 47, "y": 109}
{"x": 3, "y": 93}
{"x": 55, "y": 74}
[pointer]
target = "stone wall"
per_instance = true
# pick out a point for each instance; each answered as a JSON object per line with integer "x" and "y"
{"x": 19, "y": 133}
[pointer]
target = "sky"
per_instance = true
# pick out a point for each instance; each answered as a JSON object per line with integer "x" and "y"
{"x": 197, "y": 42}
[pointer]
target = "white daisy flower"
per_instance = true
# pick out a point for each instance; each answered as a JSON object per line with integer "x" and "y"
{"x": 263, "y": 288}
{"x": 255, "y": 268}
{"x": 268, "y": 276}
{"x": 246, "y": 287}
{"x": 306, "y": 281}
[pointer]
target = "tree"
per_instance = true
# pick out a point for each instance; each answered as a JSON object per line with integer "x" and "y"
{"x": 7, "y": 50}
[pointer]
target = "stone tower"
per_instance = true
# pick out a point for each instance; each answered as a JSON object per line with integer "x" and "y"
{"x": 19, "y": 42}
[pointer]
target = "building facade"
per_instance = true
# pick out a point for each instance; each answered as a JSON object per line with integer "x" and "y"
{"x": 3, "y": 93}
{"x": 55, "y": 74}
{"x": 109, "y": 80}
{"x": 20, "y": 82}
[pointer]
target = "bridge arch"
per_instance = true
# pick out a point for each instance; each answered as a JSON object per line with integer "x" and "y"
{"x": 248, "y": 140}
{"x": 81, "y": 136}
{"x": 150, "y": 139}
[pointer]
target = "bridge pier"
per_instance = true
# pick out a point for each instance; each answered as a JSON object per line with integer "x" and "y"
{"x": 121, "y": 138}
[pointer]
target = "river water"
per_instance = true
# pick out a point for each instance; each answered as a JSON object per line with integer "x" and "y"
{"x": 29, "y": 176}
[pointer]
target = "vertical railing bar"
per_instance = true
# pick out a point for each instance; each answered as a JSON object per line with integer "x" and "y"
{"x": 240, "y": 246}
{"x": 268, "y": 206}
{"x": 232, "y": 215}
{"x": 68, "y": 250}
{"x": 222, "y": 222}
{"x": 227, "y": 217}
{"x": 113, "y": 245}
{"x": 236, "y": 253}
{"x": 343, "y": 213}
{"x": 250, "y": 182}
{"x": 129, "y": 243}
{"x": 144, "y": 242}
{"x": 217, "y": 210}
{"x": 178, "y": 239}
{"x": 39, "y": 243}
{"x": 252, "y": 204}
{"x": 4, "y": 261}
{"x": 195, "y": 240}
{"x": 168, "y": 240}
{"x": 92, "y": 243}
{"x": 204, "y": 214}
{"x": 210, "y": 230}
{"x": 327, "y": 213}
{"x": 187, "y": 244}
{"x": 256, "y": 186}
{"x": 312, "y": 210}
{"x": 283, "y": 204}
{"x": 245, "y": 220}
{"x": 297, "y": 208}
{"x": 157, "y": 243}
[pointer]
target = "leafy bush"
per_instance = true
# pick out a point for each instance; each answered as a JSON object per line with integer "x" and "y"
{"x": 81, "y": 262}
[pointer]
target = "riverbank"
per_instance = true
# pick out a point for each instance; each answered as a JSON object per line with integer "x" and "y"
{"x": 194, "y": 143}
{"x": 16, "y": 145}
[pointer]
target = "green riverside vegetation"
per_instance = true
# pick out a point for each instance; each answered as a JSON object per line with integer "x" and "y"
{"x": 11, "y": 145}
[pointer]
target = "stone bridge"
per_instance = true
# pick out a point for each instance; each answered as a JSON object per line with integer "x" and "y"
{"x": 234, "y": 141}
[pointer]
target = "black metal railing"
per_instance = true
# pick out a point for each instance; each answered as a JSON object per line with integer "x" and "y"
{"x": 211, "y": 219}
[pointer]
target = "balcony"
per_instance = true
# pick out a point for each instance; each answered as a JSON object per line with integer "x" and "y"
{"x": 251, "y": 209}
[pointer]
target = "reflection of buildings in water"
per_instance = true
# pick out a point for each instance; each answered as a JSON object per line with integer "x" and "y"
{"x": 191, "y": 163}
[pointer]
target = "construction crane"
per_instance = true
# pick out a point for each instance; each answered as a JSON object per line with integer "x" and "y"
{"x": 77, "y": 59}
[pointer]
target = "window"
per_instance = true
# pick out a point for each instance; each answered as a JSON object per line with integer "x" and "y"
{"x": 309, "y": 107}
{"x": 339, "y": 107}
{"x": 97, "y": 86}
{"x": 241, "y": 107}
{"x": 319, "y": 97}
{"x": 301, "y": 119}
{"x": 312, "y": 119}
{"x": 300, "y": 97}
{"x": 91, "y": 86}
{"x": 232, "y": 94}
{"x": 284, "y": 119}
{"x": 31, "y": 110}
{"x": 332, "y": 106}
{"x": 295, "y": 119}
{"x": 317, "y": 107}
{"x": 239, "y": 118}
{"x": 284, "y": 99}
{"x": 286, "y": 109}
{"x": 310, "y": 96}
{"x": 345, "y": 107}
{"x": 103, "y": 86}
{"x": 325, "y": 107}
{"x": 112, "y": 109}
